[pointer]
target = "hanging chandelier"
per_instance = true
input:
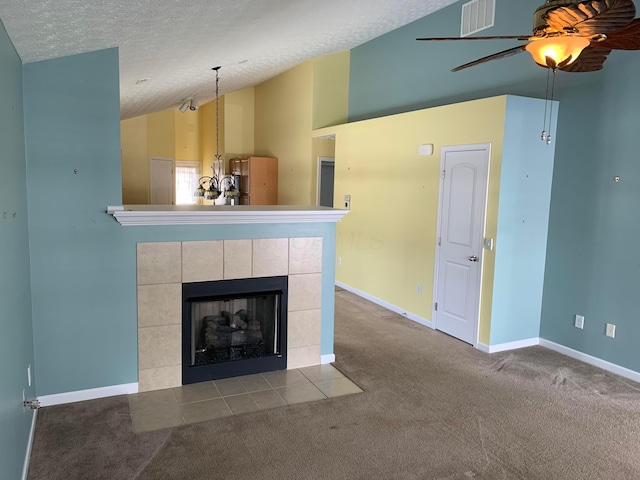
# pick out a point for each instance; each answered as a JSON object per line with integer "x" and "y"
{"x": 211, "y": 187}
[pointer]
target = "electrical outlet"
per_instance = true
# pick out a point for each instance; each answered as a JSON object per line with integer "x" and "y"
{"x": 419, "y": 289}
{"x": 611, "y": 330}
{"x": 29, "y": 374}
{"x": 579, "y": 321}
{"x": 347, "y": 201}
{"x": 339, "y": 260}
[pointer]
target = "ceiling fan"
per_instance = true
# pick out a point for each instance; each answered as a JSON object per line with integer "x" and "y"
{"x": 572, "y": 35}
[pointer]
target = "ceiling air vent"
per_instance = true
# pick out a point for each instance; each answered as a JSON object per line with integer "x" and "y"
{"x": 477, "y": 15}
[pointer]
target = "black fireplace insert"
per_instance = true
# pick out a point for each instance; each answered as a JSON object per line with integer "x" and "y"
{"x": 233, "y": 327}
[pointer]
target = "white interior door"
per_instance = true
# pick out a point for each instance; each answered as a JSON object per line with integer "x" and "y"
{"x": 162, "y": 182}
{"x": 463, "y": 196}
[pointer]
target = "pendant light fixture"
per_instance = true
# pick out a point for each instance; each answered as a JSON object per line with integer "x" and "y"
{"x": 217, "y": 182}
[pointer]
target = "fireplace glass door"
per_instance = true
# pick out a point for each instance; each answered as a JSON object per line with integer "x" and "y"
{"x": 234, "y": 329}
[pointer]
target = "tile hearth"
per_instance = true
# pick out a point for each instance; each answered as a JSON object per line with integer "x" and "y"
{"x": 200, "y": 402}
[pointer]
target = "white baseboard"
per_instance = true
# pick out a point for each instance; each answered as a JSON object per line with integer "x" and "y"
{"x": 388, "y": 306}
{"x": 27, "y": 456}
{"x": 91, "y": 394}
{"x": 569, "y": 352}
{"x": 503, "y": 347}
{"x": 596, "y": 362}
{"x": 324, "y": 359}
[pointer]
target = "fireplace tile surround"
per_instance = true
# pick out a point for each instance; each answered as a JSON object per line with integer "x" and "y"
{"x": 162, "y": 267}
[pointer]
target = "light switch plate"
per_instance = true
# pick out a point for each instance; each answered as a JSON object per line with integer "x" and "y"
{"x": 579, "y": 321}
{"x": 611, "y": 330}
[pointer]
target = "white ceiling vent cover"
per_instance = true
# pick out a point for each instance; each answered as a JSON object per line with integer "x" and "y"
{"x": 477, "y": 15}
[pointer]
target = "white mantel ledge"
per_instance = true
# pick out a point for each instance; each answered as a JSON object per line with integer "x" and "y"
{"x": 136, "y": 215}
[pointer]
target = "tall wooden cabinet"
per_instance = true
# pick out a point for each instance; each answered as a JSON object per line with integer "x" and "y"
{"x": 258, "y": 179}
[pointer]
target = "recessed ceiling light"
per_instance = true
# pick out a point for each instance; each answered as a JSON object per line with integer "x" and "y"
{"x": 141, "y": 81}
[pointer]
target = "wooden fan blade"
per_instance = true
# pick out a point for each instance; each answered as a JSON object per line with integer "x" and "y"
{"x": 495, "y": 56}
{"x": 590, "y": 60}
{"x": 592, "y": 16}
{"x": 511, "y": 37}
{"x": 627, "y": 38}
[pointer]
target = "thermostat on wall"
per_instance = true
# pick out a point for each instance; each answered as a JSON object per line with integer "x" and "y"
{"x": 425, "y": 150}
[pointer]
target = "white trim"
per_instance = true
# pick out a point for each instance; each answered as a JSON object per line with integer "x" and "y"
{"x": 324, "y": 359}
{"x": 503, "y": 347}
{"x": 27, "y": 456}
{"x": 596, "y": 362}
{"x": 388, "y": 306}
{"x": 91, "y": 394}
{"x": 222, "y": 214}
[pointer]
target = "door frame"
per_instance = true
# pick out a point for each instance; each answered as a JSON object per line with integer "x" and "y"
{"x": 443, "y": 150}
{"x": 320, "y": 161}
{"x": 173, "y": 183}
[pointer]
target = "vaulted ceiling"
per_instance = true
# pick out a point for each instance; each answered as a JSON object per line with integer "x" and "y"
{"x": 168, "y": 47}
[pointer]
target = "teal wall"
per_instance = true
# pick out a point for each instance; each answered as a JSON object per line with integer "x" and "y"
{"x": 83, "y": 335}
{"x": 591, "y": 266}
{"x": 83, "y": 261}
{"x": 395, "y": 73}
{"x": 523, "y": 218}
{"x": 16, "y": 339}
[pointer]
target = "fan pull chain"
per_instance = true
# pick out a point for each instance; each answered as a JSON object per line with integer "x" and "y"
{"x": 543, "y": 136}
{"x": 553, "y": 88}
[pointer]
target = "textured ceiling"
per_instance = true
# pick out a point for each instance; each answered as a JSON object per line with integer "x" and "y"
{"x": 175, "y": 43}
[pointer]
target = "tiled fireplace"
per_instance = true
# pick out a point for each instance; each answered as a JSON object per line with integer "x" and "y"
{"x": 162, "y": 268}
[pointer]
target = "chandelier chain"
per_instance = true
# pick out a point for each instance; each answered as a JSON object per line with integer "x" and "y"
{"x": 217, "y": 69}
{"x": 546, "y": 101}
{"x": 553, "y": 88}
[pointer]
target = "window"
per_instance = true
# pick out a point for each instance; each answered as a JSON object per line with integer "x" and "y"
{"x": 187, "y": 176}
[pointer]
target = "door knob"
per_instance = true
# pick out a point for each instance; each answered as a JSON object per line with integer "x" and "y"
{"x": 473, "y": 258}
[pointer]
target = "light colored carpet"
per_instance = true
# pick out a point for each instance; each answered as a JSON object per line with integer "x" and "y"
{"x": 432, "y": 408}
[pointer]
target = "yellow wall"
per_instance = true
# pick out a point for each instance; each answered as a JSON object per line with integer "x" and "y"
{"x": 387, "y": 242}
{"x": 188, "y": 136}
{"x": 331, "y": 89}
{"x": 286, "y": 109}
{"x": 187, "y": 141}
{"x": 135, "y": 161}
{"x": 161, "y": 134}
{"x": 283, "y": 129}
{"x": 239, "y": 122}
{"x": 273, "y": 119}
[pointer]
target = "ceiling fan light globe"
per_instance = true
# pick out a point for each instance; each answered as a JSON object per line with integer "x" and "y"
{"x": 559, "y": 49}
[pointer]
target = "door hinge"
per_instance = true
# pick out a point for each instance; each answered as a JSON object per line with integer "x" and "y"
{"x": 439, "y": 241}
{"x": 443, "y": 173}
{"x": 436, "y": 309}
